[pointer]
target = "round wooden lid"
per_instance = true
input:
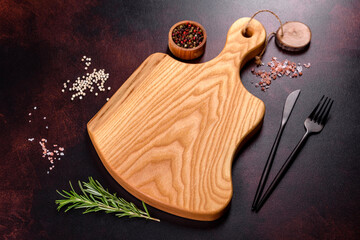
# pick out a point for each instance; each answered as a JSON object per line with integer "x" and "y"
{"x": 296, "y": 37}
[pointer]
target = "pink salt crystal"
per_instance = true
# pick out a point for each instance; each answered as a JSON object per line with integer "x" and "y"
{"x": 307, "y": 65}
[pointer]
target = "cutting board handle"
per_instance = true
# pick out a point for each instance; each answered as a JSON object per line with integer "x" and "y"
{"x": 236, "y": 39}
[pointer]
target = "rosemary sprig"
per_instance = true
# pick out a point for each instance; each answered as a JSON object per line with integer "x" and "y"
{"x": 95, "y": 198}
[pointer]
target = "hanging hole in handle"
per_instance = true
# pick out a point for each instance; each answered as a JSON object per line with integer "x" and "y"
{"x": 248, "y": 32}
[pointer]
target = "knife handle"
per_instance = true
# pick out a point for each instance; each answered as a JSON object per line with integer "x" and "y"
{"x": 267, "y": 168}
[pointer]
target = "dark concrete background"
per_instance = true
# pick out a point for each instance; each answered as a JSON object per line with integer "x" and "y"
{"x": 41, "y": 44}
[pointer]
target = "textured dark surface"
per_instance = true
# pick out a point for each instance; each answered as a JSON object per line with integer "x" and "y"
{"x": 41, "y": 44}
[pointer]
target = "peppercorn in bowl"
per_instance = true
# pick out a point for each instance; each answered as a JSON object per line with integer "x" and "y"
{"x": 187, "y": 39}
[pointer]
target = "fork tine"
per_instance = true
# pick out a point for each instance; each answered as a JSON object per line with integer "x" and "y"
{"x": 324, "y": 119}
{"x": 321, "y": 110}
{"x": 311, "y": 116}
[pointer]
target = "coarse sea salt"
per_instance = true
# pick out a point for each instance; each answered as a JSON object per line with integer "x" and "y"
{"x": 52, "y": 152}
{"x": 52, "y": 155}
{"x": 278, "y": 69}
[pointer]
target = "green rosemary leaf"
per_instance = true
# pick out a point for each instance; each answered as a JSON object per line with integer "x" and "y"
{"x": 94, "y": 197}
{"x": 112, "y": 203}
{"x": 105, "y": 200}
{"x": 72, "y": 189}
{"x": 61, "y": 194}
{"x": 146, "y": 210}
{"x": 71, "y": 206}
{"x": 82, "y": 190}
{"x": 66, "y": 193}
{"x": 121, "y": 215}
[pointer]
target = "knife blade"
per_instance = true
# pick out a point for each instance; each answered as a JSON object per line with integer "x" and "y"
{"x": 289, "y": 105}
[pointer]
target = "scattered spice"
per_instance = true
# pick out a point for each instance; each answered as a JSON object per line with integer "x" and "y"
{"x": 307, "y": 65}
{"x": 187, "y": 35}
{"x": 88, "y": 82}
{"x": 277, "y": 70}
{"x": 52, "y": 154}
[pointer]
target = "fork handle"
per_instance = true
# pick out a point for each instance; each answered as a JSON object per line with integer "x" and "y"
{"x": 282, "y": 171}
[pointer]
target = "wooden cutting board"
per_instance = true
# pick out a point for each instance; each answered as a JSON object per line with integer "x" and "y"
{"x": 169, "y": 134}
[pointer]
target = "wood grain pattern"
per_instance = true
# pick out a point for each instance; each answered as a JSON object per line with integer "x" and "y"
{"x": 169, "y": 134}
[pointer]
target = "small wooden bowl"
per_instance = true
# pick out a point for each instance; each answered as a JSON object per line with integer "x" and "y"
{"x": 187, "y": 53}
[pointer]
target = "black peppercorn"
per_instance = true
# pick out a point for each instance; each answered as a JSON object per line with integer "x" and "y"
{"x": 187, "y": 35}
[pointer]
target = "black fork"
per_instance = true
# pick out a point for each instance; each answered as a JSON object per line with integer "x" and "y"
{"x": 313, "y": 124}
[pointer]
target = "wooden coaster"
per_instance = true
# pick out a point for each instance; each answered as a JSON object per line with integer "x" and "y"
{"x": 296, "y": 37}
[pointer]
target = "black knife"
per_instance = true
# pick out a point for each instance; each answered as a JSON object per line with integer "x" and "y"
{"x": 289, "y": 105}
